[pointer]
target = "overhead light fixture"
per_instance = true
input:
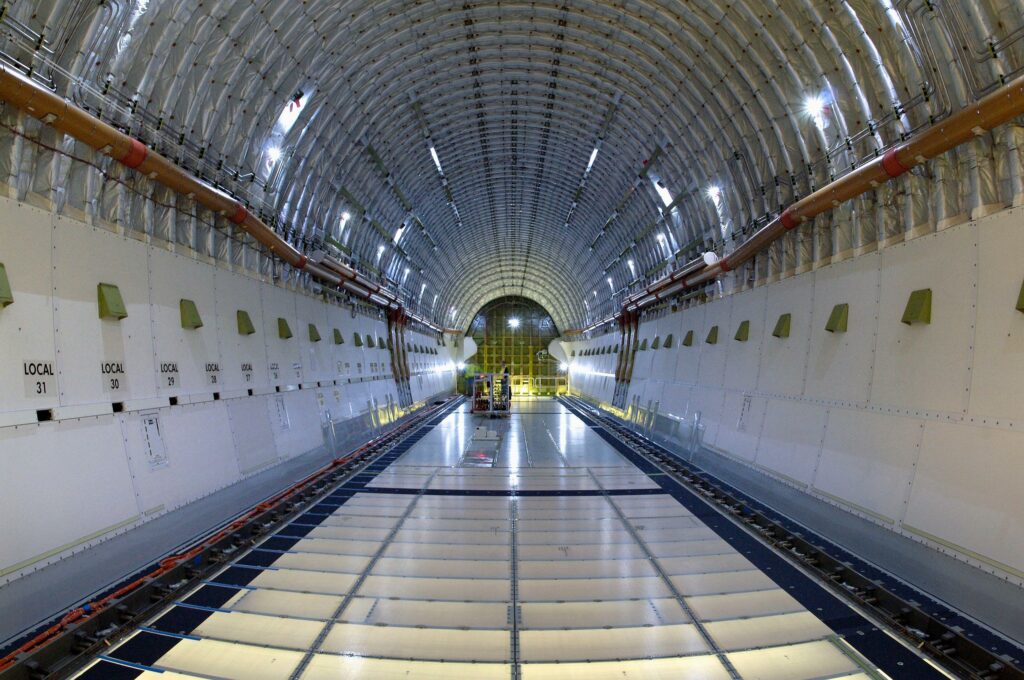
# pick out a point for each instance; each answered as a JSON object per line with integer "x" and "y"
{"x": 513, "y": 323}
{"x": 610, "y": 286}
{"x": 663, "y": 193}
{"x": 273, "y": 153}
{"x": 399, "y": 232}
{"x": 563, "y": 367}
{"x": 461, "y": 366}
{"x": 593, "y": 157}
{"x": 816, "y": 106}
{"x": 437, "y": 161}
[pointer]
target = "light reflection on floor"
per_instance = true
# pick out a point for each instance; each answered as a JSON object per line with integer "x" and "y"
{"x": 426, "y": 585}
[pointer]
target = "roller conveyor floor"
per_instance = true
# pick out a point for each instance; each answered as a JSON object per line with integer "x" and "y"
{"x": 549, "y": 555}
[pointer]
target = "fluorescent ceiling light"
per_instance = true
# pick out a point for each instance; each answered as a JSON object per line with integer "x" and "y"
{"x": 437, "y": 161}
{"x": 398, "y": 234}
{"x": 273, "y": 153}
{"x": 666, "y": 197}
{"x": 513, "y": 323}
{"x": 593, "y": 157}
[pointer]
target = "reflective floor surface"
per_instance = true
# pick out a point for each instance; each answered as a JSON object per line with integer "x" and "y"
{"x": 439, "y": 568}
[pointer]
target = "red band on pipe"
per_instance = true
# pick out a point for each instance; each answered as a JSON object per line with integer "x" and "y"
{"x": 240, "y": 214}
{"x": 137, "y": 153}
{"x": 302, "y": 262}
{"x": 787, "y": 219}
{"x": 724, "y": 264}
{"x": 892, "y": 165}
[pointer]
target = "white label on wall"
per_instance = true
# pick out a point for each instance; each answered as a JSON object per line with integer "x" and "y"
{"x": 169, "y": 376}
{"x": 282, "y": 413}
{"x": 153, "y": 441}
{"x": 114, "y": 378}
{"x": 298, "y": 371}
{"x": 213, "y": 373}
{"x": 741, "y": 422}
{"x": 246, "y": 372}
{"x": 275, "y": 372}
{"x": 40, "y": 380}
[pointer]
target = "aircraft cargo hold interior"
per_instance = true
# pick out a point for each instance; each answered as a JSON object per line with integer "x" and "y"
{"x": 398, "y": 340}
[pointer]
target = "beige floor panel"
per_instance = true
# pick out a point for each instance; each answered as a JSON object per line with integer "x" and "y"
{"x": 706, "y": 546}
{"x": 345, "y": 564}
{"x": 617, "y": 482}
{"x": 593, "y": 551}
{"x": 793, "y": 662}
{"x": 445, "y": 524}
{"x": 333, "y": 667}
{"x": 670, "y": 523}
{"x": 586, "y": 569}
{"x": 442, "y": 568}
{"x": 586, "y": 590}
{"x": 349, "y": 533}
{"x": 397, "y": 481}
{"x": 562, "y": 503}
{"x": 334, "y": 547}
{"x": 683, "y": 532}
{"x": 458, "y": 590}
{"x": 432, "y": 614}
{"x": 704, "y": 667}
{"x": 725, "y": 582}
{"x": 282, "y": 603}
{"x": 610, "y": 643}
{"x": 618, "y": 614}
{"x": 230, "y": 660}
{"x": 432, "y": 644}
{"x": 448, "y": 550}
{"x": 326, "y": 583}
{"x": 702, "y": 564}
{"x": 565, "y": 524}
{"x": 574, "y": 537}
{"x": 741, "y": 605}
{"x": 467, "y": 537}
{"x": 256, "y": 629}
{"x": 768, "y": 631}
{"x": 361, "y": 521}
{"x": 605, "y": 512}
{"x": 499, "y": 514}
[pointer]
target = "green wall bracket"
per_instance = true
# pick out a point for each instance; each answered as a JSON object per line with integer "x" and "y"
{"x": 391, "y": 343}
{"x": 573, "y": 353}
{"x": 657, "y": 342}
{"x": 643, "y": 345}
{"x": 6, "y": 295}
{"x": 314, "y": 333}
{"x": 782, "y": 326}
{"x": 743, "y": 332}
{"x": 284, "y": 331}
{"x": 688, "y": 340}
{"x": 1020, "y": 299}
{"x": 668, "y": 341}
{"x": 919, "y": 307}
{"x": 712, "y": 336}
{"x": 111, "y": 302}
{"x": 839, "y": 318}
{"x": 357, "y": 340}
{"x": 338, "y": 338}
{"x": 615, "y": 349}
{"x": 190, "y": 319}
{"x": 369, "y": 341}
{"x": 245, "y": 326}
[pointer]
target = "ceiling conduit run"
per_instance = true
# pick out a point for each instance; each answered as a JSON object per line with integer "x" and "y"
{"x": 993, "y": 110}
{"x": 38, "y": 102}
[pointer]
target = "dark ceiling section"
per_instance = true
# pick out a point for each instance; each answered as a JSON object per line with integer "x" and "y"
{"x": 706, "y": 117}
